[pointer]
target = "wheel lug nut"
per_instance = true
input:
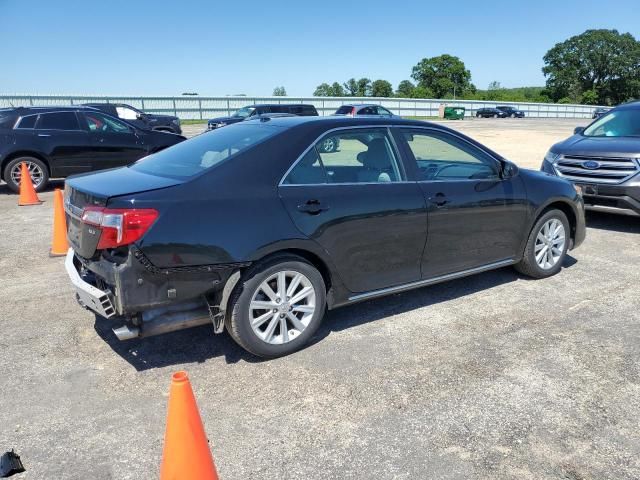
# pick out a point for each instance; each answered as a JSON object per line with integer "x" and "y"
{"x": 275, "y": 310}
{"x": 278, "y": 300}
{"x": 282, "y": 315}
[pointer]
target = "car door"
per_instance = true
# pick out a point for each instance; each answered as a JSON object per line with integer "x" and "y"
{"x": 114, "y": 142}
{"x": 67, "y": 145}
{"x": 356, "y": 203}
{"x": 476, "y": 217}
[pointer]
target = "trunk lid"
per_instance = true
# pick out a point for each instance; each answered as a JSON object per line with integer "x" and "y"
{"x": 95, "y": 190}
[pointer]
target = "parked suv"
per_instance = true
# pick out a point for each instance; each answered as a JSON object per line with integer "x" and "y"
{"x": 512, "y": 112}
{"x": 56, "y": 142}
{"x": 150, "y": 121}
{"x": 603, "y": 159}
{"x": 254, "y": 111}
{"x": 252, "y": 228}
{"x": 487, "y": 112}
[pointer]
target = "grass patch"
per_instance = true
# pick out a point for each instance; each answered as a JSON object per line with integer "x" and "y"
{"x": 193, "y": 122}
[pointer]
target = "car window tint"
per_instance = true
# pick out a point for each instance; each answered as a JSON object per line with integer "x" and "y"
{"x": 27, "y": 122}
{"x": 344, "y": 110}
{"x": 97, "y": 122}
{"x": 360, "y": 156}
{"x": 58, "y": 121}
{"x": 441, "y": 156}
{"x": 367, "y": 111}
{"x": 383, "y": 111}
{"x": 309, "y": 170}
{"x": 309, "y": 110}
{"x": 205, "y": 151}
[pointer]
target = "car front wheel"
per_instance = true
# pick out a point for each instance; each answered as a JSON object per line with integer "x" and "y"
{"x": 37, "y": 169}
{"x": 546, "y": 246}
{"x": 277, "y": 306}
{"x": 329, "y": 145}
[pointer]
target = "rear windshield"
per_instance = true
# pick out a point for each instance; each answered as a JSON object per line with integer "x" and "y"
{"x": 344, "y": 110}
{"x": 205, "y": 151}
{"x": 621, "y": 123}
{"x": 7, "y": 119}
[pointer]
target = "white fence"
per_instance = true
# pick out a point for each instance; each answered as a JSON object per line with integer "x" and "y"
{"x": 187, "y": 107}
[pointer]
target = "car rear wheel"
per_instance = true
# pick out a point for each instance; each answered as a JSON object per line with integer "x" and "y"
{"x": 277, "y": 306}
{"x": 546, "y": 246}
{"x": 328, "y": 145}
{"x": 37, "y": 169}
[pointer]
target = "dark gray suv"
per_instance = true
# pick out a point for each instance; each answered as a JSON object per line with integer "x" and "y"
{"x": 603, "y": 159}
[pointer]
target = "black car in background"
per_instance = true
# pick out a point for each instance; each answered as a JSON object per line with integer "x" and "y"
{"x": 149, "y": 121}
{"x": 512, "y": 112}
{"x": 603, "y": 159}
{"x": 253, "y": 111}
{"x": 598, "y": 112}
{"x": 490, "y": 112}
{"x": 254, "y": 228}
{"x": 56, "y": 142}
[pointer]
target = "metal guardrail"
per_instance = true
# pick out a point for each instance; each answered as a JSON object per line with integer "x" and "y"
{"x": 208, "y": 107}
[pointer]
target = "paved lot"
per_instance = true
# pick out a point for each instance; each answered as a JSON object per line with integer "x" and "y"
{"x": 492, "y": 376}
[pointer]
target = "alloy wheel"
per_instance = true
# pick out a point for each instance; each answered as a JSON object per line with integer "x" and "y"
{"x": 327, "y": 145}
{"x": 35, "y": 171}
{"x": 549, "y": 245}
{"x": 282, "y": 307}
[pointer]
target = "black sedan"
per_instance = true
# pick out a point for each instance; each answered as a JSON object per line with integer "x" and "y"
{"x": 254, "y": 228}
{"x": 512, "y": 112}
{"x": 489, "y": 112}
{"x": 56, "y": 142}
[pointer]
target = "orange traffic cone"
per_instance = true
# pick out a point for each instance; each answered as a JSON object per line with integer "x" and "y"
{"x": 186, "y": 454}
{"x": 59, "y": 245}
{"x": 28, "y": 195}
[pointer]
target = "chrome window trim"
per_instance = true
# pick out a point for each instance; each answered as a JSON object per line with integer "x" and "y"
{"x": 314, "y": 143}
{"x": 79, "y": 129}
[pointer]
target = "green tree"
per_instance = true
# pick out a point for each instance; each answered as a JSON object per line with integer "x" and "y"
{"x": 405, "y": 89}
{"x": 381, "y": 88}
{"x": 422, "y": 92}
{"x": 326, "y": 90}
{"x": 445, "y": 76}
{"x": 279, "y": 92}
{"x": 603, "y": 62}
{"x": 358, "y": 88}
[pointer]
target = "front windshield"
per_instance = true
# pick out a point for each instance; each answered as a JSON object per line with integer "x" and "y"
{"x": 205, "y": 151}
{"x": 621, "y": 123}
{"x": 244, "y": 112}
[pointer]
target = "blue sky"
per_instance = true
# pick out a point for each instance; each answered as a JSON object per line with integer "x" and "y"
{"x": 221, "y": 48}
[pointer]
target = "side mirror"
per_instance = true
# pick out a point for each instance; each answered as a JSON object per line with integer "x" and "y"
{"x": 509, "y": 169}
{"x": 578, "y": 130}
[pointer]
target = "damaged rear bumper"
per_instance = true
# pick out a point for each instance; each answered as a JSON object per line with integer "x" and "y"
{"x": 152, "y": 300}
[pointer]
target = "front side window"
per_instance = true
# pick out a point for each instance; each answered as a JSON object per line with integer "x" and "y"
{"x": 367, "y": 111}
{"x": 621, "y": 123}
{"x": 383, "y": 111}
{"x": 97, "y": 122}
{"x": 58, "y": 121}
{"x": 126, "y": 113}
{"x": 205, "y": 151}
{"x": 360, "y": 156}
{"x": 440, "y": 156}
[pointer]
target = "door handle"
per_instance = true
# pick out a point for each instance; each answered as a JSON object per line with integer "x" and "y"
{"x": 312, "y": 207}
{"x": 439, "y": 199}
{"x": 44, "y": 135}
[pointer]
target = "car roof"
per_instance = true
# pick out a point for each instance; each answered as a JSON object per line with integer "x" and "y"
{"x": 47, "y": 109}
{"x": 281, "y": 105}
{"x": 331, "y": 121}
{"x": 360, "y": 105}
{"x": 633, "y": 105}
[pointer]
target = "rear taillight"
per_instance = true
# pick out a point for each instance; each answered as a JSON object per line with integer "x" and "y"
{"x": 120, "y": 226}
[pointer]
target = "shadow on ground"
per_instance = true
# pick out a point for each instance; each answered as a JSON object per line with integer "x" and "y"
{"x": 200, "y": 344}
{"x": 614, "y": 223}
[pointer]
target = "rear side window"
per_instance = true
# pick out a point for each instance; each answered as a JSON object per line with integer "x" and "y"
{"x": 205, "y": 151}
{"x": 344, "y": 110}
{"x": 27, "y": 122}
{"x": 58, "y": 121}
{"x": 368, "y": 111}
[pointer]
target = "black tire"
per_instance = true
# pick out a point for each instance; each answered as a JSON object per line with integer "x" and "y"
{"x": 528, "y": 265}
{"x": 40, "y": 182}
{"x": 328, "y": 145}
{"x": 238, "y": 322}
